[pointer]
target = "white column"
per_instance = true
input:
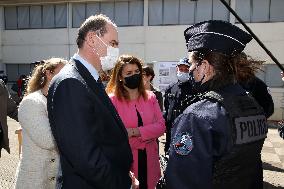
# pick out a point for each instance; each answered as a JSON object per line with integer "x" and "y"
{"x": 145, "y": 26}
{"x": 146, "y": 2}
{"x": 232, "y": 17}
{"x": 69, "y": 27}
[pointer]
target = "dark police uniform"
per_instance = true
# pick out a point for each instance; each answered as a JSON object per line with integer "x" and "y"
{"x": 259, "y": 90}
{"x": 177, "y": 98}
{"x": 216, "y": 142}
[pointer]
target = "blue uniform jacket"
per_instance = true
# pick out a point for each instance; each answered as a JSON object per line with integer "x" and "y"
{"x": 200, "y": 135}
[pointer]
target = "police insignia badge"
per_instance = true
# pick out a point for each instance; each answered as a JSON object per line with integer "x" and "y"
{"x": 183, "y": 143}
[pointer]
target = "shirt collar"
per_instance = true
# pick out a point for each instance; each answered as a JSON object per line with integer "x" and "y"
{"x": 89, "y": 66}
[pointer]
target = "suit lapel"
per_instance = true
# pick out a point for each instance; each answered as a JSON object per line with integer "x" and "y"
{"x": 98, "y": 90}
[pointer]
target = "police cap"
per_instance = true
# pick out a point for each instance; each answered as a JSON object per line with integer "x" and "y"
{"x": 216, "y": 35}
{"x": 183, "y": 61}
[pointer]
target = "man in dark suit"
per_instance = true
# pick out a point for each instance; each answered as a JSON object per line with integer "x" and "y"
{"x": 91, "y": 138}
{"x": 9, "y": 108}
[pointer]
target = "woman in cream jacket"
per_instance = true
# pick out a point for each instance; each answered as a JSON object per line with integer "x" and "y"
{"x": 39, "y": 164}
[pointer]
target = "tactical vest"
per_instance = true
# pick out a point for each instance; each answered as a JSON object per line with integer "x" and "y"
{"x": 240, "y": 167}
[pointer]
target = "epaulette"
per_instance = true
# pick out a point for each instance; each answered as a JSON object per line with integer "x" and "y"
{"x": 212, "y": 95}
{"x": 170, "y": 86}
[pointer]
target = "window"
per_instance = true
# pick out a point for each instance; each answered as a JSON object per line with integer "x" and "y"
{"x": 123, "y": 13}
{"x": 60, "y": 16}
{"x": 268, "y": 75}
{"x": 260, "y": 10}
{"x": 48, "y": 16}
{"x": 91, "y": 9}
{"x": 107, "y": 8}
{"x": 186, "y": 12}
{"x": 79, "y": 14}
{"x": 11, "y": 18}
{"x": 219, "y": 11}
{"x": 276, "y": 11}
{"x": 23, "y": 17}
{"x": 35, "y": 16}
{"x": 243, "y": 8}
{"x": 270, "y": 79}
{"x": 169, "y": 12}
{"x": 155, "y": 12}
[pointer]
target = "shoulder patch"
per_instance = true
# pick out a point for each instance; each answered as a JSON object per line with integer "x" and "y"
{"x": 250, "y": 129}
{"x": 183, "y": 143}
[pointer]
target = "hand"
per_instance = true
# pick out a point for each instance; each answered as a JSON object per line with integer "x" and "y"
{"x": 133, "y": 132}
{"x": 282, "y": 75}
{"x": 135, "y": 182}
{"x": 130, "y": 132}
{"x": 18, "y": 131}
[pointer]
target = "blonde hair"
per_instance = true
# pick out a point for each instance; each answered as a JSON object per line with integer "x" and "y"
{"x": 38, "y": 78}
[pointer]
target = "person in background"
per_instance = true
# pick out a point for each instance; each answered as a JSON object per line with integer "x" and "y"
{"x": 4, "y": 78}
{"x": 39, "y": 163}
{"x": 21, "y": 83}
{"x": 148, "y": 76}
{"x": 215, "y": 139}
{"x": 90, "y": 136}
{"x": 255, "y": 86}
{"x": 9, "y": 108}
{"x": 177, "y": 97}
{"x": 141, "y": 115}
{"x": 281, "y": 123}
{"x": 105, "y": 77}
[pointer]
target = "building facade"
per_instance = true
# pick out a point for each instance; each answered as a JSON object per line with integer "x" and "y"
{"x": 32, "y": 30}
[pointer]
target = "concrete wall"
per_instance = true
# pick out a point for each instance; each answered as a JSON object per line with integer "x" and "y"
{"x": 151, "y": 43}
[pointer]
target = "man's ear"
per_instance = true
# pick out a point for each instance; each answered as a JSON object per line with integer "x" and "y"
{"x": 91, "y": 38}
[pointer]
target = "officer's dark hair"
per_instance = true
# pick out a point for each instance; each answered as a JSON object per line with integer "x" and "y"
{"x": 247, "y": 67}
{"x": 95, "y": 23}
{"x": 225, "y": 67}
{"x": 148, "y": 71}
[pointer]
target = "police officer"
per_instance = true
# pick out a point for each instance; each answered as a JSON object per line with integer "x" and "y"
{"x": 177, "y": 97}
{"x": 217, "y": 140}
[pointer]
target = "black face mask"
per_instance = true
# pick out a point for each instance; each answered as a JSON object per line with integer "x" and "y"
{"x": 195, "y": 84}
{"x": 133, "y": 82}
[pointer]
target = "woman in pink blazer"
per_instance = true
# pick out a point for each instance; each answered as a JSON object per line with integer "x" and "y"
{"x": 142, "y": 117}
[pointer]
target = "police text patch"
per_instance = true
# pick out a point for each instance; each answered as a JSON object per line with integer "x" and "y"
{"x": 250, "y": 129}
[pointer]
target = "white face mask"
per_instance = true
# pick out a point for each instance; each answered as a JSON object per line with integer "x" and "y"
{"x": 110, "y": 59}
{"x": 182, "y": 76}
